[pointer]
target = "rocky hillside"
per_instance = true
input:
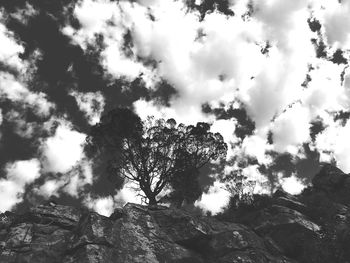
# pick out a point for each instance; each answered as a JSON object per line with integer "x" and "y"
{"x": 312, "y": 227}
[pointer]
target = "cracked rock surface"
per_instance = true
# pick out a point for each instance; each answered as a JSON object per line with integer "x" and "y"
{"x": 136, "y": 233}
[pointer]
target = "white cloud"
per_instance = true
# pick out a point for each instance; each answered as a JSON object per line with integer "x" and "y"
{"x": 49, "y": 188}
{"x": 256, "y": 146}
{"x": 22, "y": 15}
{"x": 215, "y": 200}
{"x": 78, "y": 178}
{"x": 18, "y": 175}
{"x": 336, "y": 17}
{"x": 63, "y": 150}
{"x": 127, "y": 195}
{"x": 226, "y": 128}
{"x": 9, "y": 195}
{"x": 91, "y": 104}
{"x": 16, "y": 92}
{"x": 10, "y": 49}
{"x": 186, "y": 115}
{"x": 292, "y": 185}
{"x": 23, "y": 172}
{"x": 21, "y": 126}
{"x": 103, "y": 205}
{"x": 261, "y": 185}
{"x": 325, "y": 91}
{"x": 72, "y": 182}
{"x": 106, "y": 18}
{"x": 291, "y": 129}
{"x": 334, "y": 141}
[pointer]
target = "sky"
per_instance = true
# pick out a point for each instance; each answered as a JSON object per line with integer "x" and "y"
{"x": 271, "y": 76}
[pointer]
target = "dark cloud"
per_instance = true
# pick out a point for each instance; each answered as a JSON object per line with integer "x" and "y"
{"x": 320, "y": 47}
{"x": 338, "y": 57}
{"x": 314, "y": 24}
{"x": 15, "y": 146}
{"x": 342, "y": 116}
{"x": 208, "y": 6}
{"x": 316, "y": 127}
{"x": 245, "y": 125}
{"x": 162, "y": 93}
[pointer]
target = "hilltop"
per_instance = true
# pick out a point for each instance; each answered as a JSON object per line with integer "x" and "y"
{"x": 311, "y": 227}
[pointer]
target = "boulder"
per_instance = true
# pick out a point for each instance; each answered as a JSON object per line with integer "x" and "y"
{"x": 334, "y": 182}
{"x": 329, "y": 178}
{"x": 292, "y": 231}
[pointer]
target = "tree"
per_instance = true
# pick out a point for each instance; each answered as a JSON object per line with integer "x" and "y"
{"x": 151, "y": 153}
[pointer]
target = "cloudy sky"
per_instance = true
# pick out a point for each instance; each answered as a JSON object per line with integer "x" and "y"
{"x": 271, "y": 76}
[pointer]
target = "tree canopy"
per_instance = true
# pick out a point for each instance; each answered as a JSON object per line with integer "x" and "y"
{"x": 156, "y": 153}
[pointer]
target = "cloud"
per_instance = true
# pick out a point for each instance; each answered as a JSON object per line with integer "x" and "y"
{"x": 78, "y": 178}
{"x": 334, "y": 142}
{"x": 15, "y": 91}
{"x": 215, "y": 199}
{"x": 188, "y": 115}
{"x": 63, "y": 150}
{"x": 9, "y": 194}
{"x": 91, "y": 104}
{"x": 292, "y": 185}
{"x": 10, "y": 49}
{"x": 336, "y": 17}
{"x": 107, "y": 19}
{"x": 21, "y": 126}
{"x": 23, "y": 172}
{"x": 103, "y": 205}
{"x": 291, "y": 129}
{"x": 256, "y": 146}
{"x": 325, "y": 91}
{"x": 226, "y": 128}
{"x": 49, "y": 188}
{"x": 262, "y": 59}
{"x": 18, "y": 175}
{"x": 72, "y": 182}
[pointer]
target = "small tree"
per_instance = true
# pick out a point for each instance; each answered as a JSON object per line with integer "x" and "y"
{"x": 150, "y": 153}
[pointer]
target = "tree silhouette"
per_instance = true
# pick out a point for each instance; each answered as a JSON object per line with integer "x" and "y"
{"x": 154, "y": 152}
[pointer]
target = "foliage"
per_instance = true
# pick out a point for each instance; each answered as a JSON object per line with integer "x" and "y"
{"x": 240, "y": 211}
{"x": 240, "y": 187}
{"x": 155, "y": 153}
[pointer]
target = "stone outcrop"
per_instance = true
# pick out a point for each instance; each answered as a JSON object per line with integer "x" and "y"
{"x": 136, "y": 233}
{"x": 311, "y": 227}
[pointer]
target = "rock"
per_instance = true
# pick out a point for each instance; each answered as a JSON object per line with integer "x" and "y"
{"x": 329, "y": 178}
{"x": 65, "y": 216}
{"x": 6, "y": 219}
{"x": 334, "y": 182}
{"x": 136, "y": 233}
{"x": 280, "y": 193}
{"x": 288, "y": 228}
{"x": 213, "y": 239}
{"x": 140, "y": 239}
{"x": 292, "y": 204}
{"x": 252, "y": 256}
{"x": 118, "y": 213}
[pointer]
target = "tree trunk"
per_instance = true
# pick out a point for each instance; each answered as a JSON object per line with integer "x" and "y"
{"x": 152, "y": 200}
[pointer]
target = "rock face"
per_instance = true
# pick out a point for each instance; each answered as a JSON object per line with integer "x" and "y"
{"x": 312, "y": 227}
{"x": 136, "y": 233}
